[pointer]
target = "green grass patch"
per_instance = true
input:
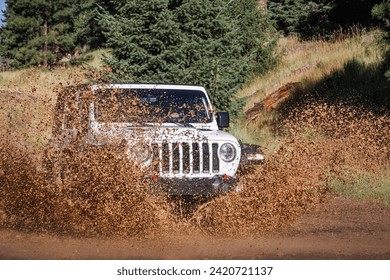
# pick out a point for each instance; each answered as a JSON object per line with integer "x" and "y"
{"x": 363, "y": 185}
{"x": 97, "y": 58}
{"x": 258, "y": 132}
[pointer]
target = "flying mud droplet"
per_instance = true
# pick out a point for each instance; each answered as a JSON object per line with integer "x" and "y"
{"x": 107, "y": 195}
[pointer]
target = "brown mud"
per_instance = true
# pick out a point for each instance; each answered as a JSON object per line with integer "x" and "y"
{"x": 286, "y": 211}
{"x": 340, "y": 229}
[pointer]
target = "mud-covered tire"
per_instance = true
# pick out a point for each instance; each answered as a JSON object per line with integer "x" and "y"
{"x": 56, "y": 166}
{"x": 59, "y": 171}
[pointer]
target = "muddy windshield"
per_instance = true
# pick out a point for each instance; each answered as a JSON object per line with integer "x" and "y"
{"x": 151, "y": 106}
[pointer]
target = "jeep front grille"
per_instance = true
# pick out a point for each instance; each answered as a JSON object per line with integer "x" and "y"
{"x": 185, "y": 158}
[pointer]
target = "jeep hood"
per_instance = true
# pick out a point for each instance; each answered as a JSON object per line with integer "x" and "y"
{"x": 113, "y": 133}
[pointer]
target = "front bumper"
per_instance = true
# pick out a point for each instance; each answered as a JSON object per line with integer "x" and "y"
{"x": 193, "y": 186}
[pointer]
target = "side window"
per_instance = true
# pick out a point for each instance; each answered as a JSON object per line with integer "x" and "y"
{"x": 71, "y": 112}
{"x": 68, "y": 121}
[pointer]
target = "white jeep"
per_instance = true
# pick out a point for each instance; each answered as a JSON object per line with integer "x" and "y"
{"x": 171, "y": 131}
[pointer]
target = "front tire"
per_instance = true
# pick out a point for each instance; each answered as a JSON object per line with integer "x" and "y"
{"x": 57, "y": 166}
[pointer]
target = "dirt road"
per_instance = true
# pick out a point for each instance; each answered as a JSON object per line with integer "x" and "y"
{"x": 339, "y": 229}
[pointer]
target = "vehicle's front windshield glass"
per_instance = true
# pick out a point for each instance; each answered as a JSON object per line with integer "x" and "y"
{"x": 151, "y": 106}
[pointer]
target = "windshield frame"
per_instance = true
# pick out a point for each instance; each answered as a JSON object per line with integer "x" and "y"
{"x": 160, "y": 90}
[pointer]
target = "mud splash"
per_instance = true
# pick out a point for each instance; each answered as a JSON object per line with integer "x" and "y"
{"x": 112, "y": 199}
{"x": 323, "y": 140}
{"x": 108, "y": 197}
{"x": 274, "y": 196}
{"x": 360, "y": 134}
{"x": 102, "y": 199}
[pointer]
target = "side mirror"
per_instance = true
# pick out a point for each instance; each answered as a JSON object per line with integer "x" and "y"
{"x": 223, "y": 119}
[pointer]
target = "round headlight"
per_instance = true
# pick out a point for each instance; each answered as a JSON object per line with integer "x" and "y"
{"x": 227, "y": 152}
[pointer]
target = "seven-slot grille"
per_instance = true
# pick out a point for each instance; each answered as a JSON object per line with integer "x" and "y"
{"x": 187, "y": 158}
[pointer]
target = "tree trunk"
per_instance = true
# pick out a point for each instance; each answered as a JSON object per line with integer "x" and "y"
{"x": 46, "y": 43}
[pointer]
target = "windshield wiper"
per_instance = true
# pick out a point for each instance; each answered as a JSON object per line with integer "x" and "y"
{"x": 183, "y": 124}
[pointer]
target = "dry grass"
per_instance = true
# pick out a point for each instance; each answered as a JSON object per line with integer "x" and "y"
{"x": 340, "y": 107}
{"x": 27, "y": 97}
{"x": 38, "y": 82}
{"x": 41, "y": 83}
{"x": 97, "y": 61}
{"x": 307, "y": 63}
{"x": 311, "y": 61}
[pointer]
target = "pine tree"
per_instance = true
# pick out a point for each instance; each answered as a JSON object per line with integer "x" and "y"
{"x": 41, "y": 32}
{"x": 218, "y": 44}
{"x": 142, "y": 36}
{"x": 382, "y": 12}
{"x": 305, "y": 18}
{"x": 320, "y": 17}
{"x": 88, "y": 33}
